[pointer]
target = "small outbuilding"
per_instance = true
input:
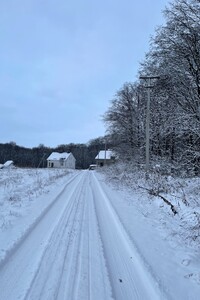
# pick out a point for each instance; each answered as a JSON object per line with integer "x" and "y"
{"x": 105, "y": 157}
{"x": 8, "y": 164}
{"x": 61, "y": 160}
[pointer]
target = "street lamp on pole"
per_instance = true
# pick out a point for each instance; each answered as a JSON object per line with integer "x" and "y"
{"x": 149, "y": 84}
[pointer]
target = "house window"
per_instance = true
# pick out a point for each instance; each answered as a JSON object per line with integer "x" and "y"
{"x": 62, "y": 161}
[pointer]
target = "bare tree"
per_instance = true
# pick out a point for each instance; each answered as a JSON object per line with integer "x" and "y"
{"x": 122, "y": 119}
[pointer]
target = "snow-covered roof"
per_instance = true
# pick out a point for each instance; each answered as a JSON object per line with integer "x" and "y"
{"x": 103, "y": 155}
{"x": 8, "y": 163}
{"x": 58, "y": 156}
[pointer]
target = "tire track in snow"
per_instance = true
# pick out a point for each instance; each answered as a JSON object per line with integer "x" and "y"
{"x": 18, "y": 271}
{"x": 69, "y": 271}
{"x": 129, "y": 277}
{"x": 17, "y": 244}
{"x": 92, "y": 281}
{"x": 48, "y": 282}
{"x": 82, "y": 273}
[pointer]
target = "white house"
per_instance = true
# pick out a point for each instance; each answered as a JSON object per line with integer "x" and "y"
{"x": 105, "y": 157}
{"x": 61, "y": 160}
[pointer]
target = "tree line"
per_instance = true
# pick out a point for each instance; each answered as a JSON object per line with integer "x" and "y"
{"x": 36, "y": 157}
{"x": 174, "y": 55}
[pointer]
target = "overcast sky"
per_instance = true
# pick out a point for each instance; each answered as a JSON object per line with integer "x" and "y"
{"x": 62, "y": 61}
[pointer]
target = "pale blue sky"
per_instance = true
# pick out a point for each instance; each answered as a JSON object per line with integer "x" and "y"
{"x": 61, "y": 62}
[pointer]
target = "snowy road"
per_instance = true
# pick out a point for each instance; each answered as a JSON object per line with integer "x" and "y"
{"x": 77, "y": 249}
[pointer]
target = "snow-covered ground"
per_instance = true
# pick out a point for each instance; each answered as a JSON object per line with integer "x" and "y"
{"x": 24, "y": 195}
{"x": 168, "y": 242}
{"x": 97, "y": 235}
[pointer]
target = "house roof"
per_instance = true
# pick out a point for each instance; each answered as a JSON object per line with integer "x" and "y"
{"x": 8, "y": 163}
{"x": 58, "y": 156}
{"x": 103, "y": 155}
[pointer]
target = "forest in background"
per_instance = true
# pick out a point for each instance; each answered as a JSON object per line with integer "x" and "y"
{"x": 36, "y": 157}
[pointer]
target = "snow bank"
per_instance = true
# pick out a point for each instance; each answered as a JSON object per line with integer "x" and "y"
{"x": 168, "y": 242}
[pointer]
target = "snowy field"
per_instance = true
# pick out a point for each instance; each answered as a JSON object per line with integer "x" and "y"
{"x": 24, "y": 194}
{"x": 98, "y": 235}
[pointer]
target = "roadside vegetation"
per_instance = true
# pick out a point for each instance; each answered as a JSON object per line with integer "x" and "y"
{"x": 172, "y": 201}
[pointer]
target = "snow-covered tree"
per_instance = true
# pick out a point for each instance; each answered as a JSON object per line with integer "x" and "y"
{"x": 175, "y": 56}
{"x": 122, "y": 119}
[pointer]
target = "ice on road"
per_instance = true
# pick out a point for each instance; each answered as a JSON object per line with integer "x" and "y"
{"x": 78, "y": 249}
